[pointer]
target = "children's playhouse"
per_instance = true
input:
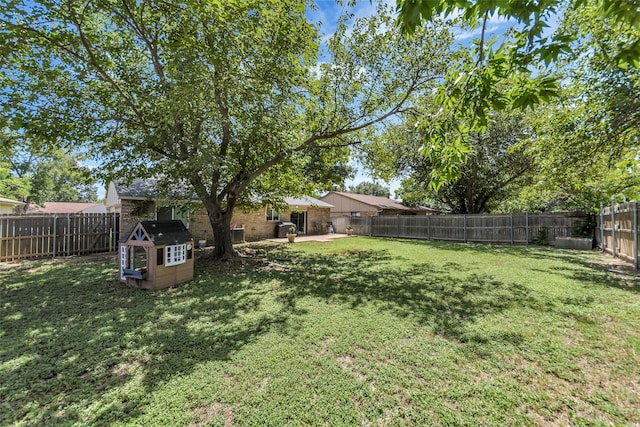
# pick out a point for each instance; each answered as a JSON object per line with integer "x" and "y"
{"x": 156, "y": 255}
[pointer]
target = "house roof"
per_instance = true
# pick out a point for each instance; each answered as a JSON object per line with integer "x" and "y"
{"x": 61, "y": 207}
{"x": 376, "y": 201}
{"x": 427, "y": 209}
{"x": 162, "y": 232}
{"x": 5, "y": 201}
{"x": 138, "y": 189}
{"x": 146, "y": 189}
{"x": 306, "y": 202}
{"x": 142, "y": 189}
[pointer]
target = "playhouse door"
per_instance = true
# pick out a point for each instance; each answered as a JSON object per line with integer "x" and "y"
{"x": 300, "y": 220}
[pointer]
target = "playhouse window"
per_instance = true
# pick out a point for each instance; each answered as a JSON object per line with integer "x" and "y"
{"x": 175, "y": 254}
{"x": 272, "y": 215}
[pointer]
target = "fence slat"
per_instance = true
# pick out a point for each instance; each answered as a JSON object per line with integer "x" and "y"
{"x": 45, "y": 235}
{"x": 510, "y": 229}
{"x": 635, "y": 235}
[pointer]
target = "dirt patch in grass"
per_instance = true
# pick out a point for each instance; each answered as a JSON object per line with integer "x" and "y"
{"x": 205, "y": 414}
{"x": 264, "y": 257}
{"x": 34, "y": 264}
{"x": 617, "y": 266}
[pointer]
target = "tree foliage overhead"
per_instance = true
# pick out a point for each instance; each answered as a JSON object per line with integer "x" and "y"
{"x": 496, "y": 168}
{"x": 588, "y": 146}
{"x": 370, "y": 189}
{"x": 476, "y": 84}
{"x": 227, "y": 97}
{"x": 33, "y": 173}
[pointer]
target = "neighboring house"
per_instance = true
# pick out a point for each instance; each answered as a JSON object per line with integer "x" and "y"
{"x": 67, "y": 207}
{"x": 140, "y": 201}
{"x": 8, "y": 206}
{"x": 358, "y": 205}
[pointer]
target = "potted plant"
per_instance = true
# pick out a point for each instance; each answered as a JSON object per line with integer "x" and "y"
{"x": 349, "y": 230}
{"x": 291, "y": 235}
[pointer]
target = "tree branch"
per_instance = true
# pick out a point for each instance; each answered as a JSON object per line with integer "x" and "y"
{"x": 93, "y": 60}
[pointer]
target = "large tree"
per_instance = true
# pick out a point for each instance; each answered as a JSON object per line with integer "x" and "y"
{"x": 225, "y": 99}
{"x": 370, "y": 188}
{"x": 475, "y": 86}
{"x": 34, "y": 173}
{"x": 589, "y": 137}
{"x": 497, "y": 166}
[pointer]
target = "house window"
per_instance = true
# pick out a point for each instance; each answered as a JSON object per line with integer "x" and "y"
{"x": 273, "y": 215}
{"x": 167, "y": 213}
{"x": 175, "y": 254}
{"x": 355, "y": 213}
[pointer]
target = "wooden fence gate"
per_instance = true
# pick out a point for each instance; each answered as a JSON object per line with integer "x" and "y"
{"x": 53, "y": 235}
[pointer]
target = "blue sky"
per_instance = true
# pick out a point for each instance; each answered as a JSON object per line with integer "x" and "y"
{"x": 328, "y": 13}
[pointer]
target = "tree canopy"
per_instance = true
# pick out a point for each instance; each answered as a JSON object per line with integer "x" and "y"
{"x": 588, "y": 145}
{"x": 370, "y": 188}
{"x": 525, "y": 58}
{"x": 35, "y": 174}
{"x": 229, "y": 99}
{"x": 496, "y": 168}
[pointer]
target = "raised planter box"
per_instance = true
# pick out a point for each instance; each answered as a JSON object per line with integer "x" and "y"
{"x": 578, "y": 243}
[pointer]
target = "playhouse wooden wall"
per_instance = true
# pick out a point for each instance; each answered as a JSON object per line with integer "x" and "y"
{"x": 162, "y": 276}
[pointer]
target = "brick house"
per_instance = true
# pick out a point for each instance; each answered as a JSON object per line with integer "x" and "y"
{"x": 347, "y": 206}
{"x": 140, "y": 201}
{"x": 356, "y": 205}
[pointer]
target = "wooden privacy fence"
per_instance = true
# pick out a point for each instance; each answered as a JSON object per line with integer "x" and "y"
{"x": 52, "y": 235}
{"x": 618, "y": 231}
{"x": 509, "y": 228}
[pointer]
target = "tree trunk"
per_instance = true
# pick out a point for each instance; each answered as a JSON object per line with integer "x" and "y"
{"x": 220, "y": 219}
{"x": 222, "y": 243}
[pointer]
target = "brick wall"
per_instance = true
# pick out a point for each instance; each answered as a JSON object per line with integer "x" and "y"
{"x": 317, "y": 219}
{"x": 200, "y": 227}
{"x": 255, "y": 224}
{"x": 132, "y": 211}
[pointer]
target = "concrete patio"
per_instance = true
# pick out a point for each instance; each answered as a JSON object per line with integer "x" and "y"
{"x": 315, "y": 238}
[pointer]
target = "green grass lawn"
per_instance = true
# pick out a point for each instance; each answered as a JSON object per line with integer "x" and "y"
{"x": 357, "y": 331}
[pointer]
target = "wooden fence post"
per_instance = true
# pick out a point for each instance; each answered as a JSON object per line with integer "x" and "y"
{"x": 68, "y": 235}
{"x": 465, "y": 228}
{"x": 115, "y": 232}
{"x": 526, "y": 227}
{"x": 613, "y": 226}
{"x": 13, "y": 242}
{"x": 601, "y": 227}
{"x": 511, "y": 224}
{"x": 55, "y": 233}
{"x": 428, "y": 226}
{"x": 635, "y": 235}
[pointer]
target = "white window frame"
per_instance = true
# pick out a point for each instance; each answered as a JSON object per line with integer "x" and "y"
{"x": 355, "y": 213}
{"x": 275, "y": 215}
{"x": 175, "y": 254}
{"x": 123, "y": 260}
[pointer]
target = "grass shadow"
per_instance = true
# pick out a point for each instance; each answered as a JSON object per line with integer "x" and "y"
{"x": 429, "y": 294}
{"x": 76, "y": 342}
{"x": 74, "y": 338}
